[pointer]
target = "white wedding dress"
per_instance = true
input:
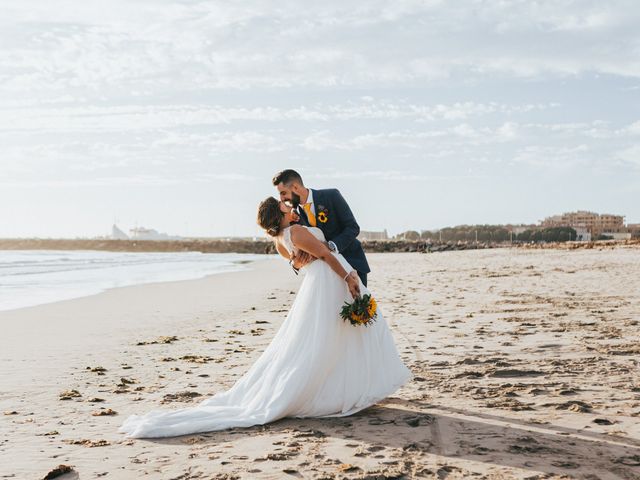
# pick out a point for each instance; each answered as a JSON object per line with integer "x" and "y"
{"x": 317, "y": 365}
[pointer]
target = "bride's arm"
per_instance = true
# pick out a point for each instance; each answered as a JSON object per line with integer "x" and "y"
{"x": 305, "y": 241}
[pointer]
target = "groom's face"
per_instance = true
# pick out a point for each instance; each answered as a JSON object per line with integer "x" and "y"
{"x": 289, "y": 194}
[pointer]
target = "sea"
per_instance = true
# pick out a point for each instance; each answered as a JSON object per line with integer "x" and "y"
{"x": 35, "y": 277}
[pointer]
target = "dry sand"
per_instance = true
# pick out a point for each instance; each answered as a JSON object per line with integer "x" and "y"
{"x": 526, "y": 365}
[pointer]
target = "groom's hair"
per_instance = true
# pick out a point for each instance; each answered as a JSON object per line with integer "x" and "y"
{"x": 286, "y": 177}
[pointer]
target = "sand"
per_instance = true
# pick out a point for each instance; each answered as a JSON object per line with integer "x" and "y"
{"x": 526, "y": 366}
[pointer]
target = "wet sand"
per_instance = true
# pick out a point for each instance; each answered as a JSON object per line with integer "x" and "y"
{"x": 526, "y": 366}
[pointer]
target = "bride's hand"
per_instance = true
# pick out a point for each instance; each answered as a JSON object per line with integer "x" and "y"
{"x": 353, "y": 282}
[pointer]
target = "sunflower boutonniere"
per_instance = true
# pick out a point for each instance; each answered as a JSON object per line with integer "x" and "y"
{"x": 323, "y": 214}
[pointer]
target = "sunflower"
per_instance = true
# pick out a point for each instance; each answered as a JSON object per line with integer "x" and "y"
{"x": 322, "y": 216}
{"x": 363, "y": 310}
{"x": 372, "y": 308}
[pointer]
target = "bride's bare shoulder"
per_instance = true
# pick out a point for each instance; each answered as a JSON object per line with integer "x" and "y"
{"x": 296, "y": 230}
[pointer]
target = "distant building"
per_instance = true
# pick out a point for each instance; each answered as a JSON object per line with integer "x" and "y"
{"x": 518, "y": 229}
{"x": 118, "y": 234}
{"x": 141, "y": 233}
{"x": 364, "y": 235}
{"x": 617, "y": 235}
{"x": 634, "y": 229}
{"x": 582, "y": 234}
{"x": 594, "y": 223}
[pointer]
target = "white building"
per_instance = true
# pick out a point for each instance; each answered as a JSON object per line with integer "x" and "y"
{"x": 118, "y": 234}
{"x": 618, "y": 235}
{"x": 583, "y": 234}
{"x": 364, "y": 235}
{"x": 141, "y": 233}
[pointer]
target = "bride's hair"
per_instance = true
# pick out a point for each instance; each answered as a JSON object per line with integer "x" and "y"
{"x": 270, "y": 216}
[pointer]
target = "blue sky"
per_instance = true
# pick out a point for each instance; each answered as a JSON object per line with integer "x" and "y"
{"x": 175, "y": 115}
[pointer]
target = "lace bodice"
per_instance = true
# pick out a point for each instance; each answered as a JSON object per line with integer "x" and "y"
{"x": 288, "y": 244}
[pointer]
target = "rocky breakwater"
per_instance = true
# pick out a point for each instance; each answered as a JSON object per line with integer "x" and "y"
{"x": 598, "y": 244}
{"x": 187, "y": 245}
{"x": 424, "y": 246}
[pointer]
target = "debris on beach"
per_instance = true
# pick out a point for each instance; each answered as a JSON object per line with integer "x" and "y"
{"x": 104, "y": 412}
{"x": 126, "y": 381}
{"x": 98, "y": 370}
{"x": 69, "y": 394}
{"x": 180, "y": 397}
{"x": 196, "y": 358}
{"x": 58, "y": 471}
{"x": 165, "y": 339}
{"x": 88, "y": 443}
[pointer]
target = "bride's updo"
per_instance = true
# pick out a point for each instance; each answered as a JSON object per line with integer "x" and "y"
{"x": 270, "y": 216}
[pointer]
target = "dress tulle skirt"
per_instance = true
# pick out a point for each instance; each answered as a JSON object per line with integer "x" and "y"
{"x": 317, "y": 365}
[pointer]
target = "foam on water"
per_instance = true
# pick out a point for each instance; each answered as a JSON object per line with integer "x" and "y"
{"x": 34, "y": 277}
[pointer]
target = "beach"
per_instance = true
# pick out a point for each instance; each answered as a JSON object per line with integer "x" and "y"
{"x": 526, "y": 365}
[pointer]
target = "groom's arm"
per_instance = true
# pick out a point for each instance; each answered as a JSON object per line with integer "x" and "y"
{"x": 350, "y": 229}
{"x": 296, "y": 261}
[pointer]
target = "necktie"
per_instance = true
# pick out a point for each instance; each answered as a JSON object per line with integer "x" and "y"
{"x": 310, "y": 216}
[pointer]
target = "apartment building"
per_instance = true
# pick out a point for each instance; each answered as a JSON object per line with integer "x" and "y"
{"x": 594, "y": 223}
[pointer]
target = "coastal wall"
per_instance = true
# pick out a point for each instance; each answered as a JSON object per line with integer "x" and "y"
{"x": 195, "y": 245}
{"x": 265, "y": 246}
{"x": 219, "y": 246}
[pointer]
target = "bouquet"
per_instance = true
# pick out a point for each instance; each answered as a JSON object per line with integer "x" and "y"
{"x": 363, "y": 311}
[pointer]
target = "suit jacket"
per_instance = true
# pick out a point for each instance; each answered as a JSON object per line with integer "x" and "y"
{"x": 335, "y": 219}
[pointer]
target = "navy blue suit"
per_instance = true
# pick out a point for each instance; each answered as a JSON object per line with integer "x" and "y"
{"x": 335, "y": 219}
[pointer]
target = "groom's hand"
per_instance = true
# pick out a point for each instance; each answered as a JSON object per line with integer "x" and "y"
{"x": 302, "y": 258}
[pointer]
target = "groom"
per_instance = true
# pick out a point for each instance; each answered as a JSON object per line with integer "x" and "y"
{"x": 327, "y": 210}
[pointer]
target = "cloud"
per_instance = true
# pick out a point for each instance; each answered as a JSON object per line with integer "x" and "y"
{"x": 92, "y": 118}
{"x": 155, "y": 47}
{"x": 630, "y": 156}
{"x": 633, "y": 129}
{"x": 142, "y": 180}
{"x": 177, "y": 93}
{"x": 386, "y": 175}
{"x": 558, "y": 158}
{"x": 224, "y": 142}
{"x": 455, "y": 135}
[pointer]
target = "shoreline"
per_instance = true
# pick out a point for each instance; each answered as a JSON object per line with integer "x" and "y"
{"x": 27, "y": 318}
{"x": 238, "y": 266}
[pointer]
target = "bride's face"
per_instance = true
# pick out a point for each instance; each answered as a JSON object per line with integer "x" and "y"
{"x": 289, "y": 214}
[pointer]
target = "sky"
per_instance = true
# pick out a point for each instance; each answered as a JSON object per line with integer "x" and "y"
{"x": 175, "y": 115}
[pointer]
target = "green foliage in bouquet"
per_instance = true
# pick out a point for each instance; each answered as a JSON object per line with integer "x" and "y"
{"x": 363, "y": 311}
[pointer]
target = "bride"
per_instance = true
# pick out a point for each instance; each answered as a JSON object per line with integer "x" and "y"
{"x": 317, "y": 365}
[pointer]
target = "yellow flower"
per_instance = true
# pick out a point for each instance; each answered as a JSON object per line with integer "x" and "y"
{"x": 323, "y": 217}
{"x": 372, "y": 308}
{"x": 361, "y": 312}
